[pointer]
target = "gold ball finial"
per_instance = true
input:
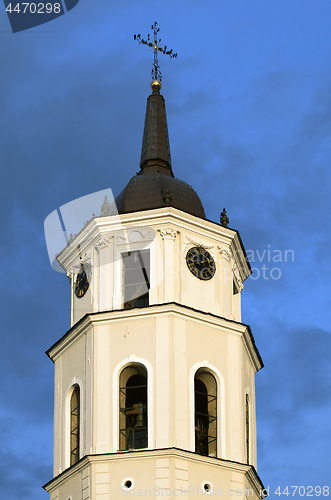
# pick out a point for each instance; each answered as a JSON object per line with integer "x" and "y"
{"x": 156, "y": 85}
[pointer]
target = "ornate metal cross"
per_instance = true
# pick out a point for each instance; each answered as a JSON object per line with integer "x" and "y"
{"x": 156, "y": 46}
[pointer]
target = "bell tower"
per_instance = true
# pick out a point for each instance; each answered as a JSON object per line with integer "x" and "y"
{"x": 154, "y": 381}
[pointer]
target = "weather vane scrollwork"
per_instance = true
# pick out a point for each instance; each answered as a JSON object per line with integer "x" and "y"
{"x": 157, "y": 47}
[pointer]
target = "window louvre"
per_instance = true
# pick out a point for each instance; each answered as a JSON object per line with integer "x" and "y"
{"x": 247, "y": 428}
{"x": 74, "y": 425}
{"x": 205, "y": 414}
{"x": 133, "y": 408}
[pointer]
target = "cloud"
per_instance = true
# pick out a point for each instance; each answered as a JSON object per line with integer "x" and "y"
{"x": 296, "y": 379}
{"x": 249, "y": 122}
{"x": 25, "y": 457}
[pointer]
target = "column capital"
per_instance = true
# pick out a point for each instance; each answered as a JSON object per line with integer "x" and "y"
{"x": 103, "y": 242}
{"x": 168, "y": 234}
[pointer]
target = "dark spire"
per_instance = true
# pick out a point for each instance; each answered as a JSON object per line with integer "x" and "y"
{"x": 155, "y": 185}
{"x": 155, "y": 151}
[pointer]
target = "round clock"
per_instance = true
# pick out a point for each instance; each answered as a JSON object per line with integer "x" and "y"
{"x": 83, "y": 280}
{"x": 200, "y": 263}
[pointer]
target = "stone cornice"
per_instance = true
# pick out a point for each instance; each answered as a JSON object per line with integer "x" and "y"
{"x": 80, "y": 328}
{"x": 91, "y": 319}
{"x": 106, "y": 226}
{"x": 190, "y": 456}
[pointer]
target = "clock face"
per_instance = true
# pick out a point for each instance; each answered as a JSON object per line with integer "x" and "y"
{"x": 83, "y": 280}
{"x": 200, "y": 263}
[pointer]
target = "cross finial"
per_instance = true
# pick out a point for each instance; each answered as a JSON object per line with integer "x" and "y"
{"x": 156, "y": 46}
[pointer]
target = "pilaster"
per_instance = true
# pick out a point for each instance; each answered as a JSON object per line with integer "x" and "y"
{"x": 170, "y": 263}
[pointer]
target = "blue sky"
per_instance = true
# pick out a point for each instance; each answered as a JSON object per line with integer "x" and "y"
{"x": 249, "y": 115}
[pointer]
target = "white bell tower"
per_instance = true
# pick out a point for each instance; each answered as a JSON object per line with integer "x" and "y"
{"x": 154, "y": 381}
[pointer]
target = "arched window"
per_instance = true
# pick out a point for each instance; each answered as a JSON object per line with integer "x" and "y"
{"x": 205, "y": 413}
{"x": 74, "y": 425}
{"x": 247, "y": 428}
{"x": 133, "y": 407}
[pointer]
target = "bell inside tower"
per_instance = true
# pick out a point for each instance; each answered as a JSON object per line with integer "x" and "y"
{"x": 205, "y": 390}
{"x": 133, "y": 408}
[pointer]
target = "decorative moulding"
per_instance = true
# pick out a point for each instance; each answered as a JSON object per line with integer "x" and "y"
{"x": 168, "y": 234}
{"x": 85, "y": 259}
{"x": 236, "y": 275}
{"x": 75, "y": 263}
{"x": 225, "y": 253}
{"x": 70, "y": 275}
{"x": 103, "y": 242}
{"x": 87, "y": 256}
{"x": 197, "y": 244}
{"x": 135, "y": 236}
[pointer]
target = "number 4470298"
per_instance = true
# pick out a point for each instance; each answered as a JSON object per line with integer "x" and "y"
{"x": 308, "y": 491}
{"x": 39, "y": 8}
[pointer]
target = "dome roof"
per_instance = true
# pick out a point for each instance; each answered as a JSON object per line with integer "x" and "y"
{"x": 155, "y": 185}
{"x": 157, "y": 190}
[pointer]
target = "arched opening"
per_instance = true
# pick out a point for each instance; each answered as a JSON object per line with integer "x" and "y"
{"x": 133, "y": 408}
{"x": 74, "y": 425}
{"x": 247, "y": 429}
{"x": 205, "y": 413}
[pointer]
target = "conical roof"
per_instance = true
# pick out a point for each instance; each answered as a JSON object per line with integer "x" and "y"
{"x": 155, "y": 150}
{"x": 155, "y": 185}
